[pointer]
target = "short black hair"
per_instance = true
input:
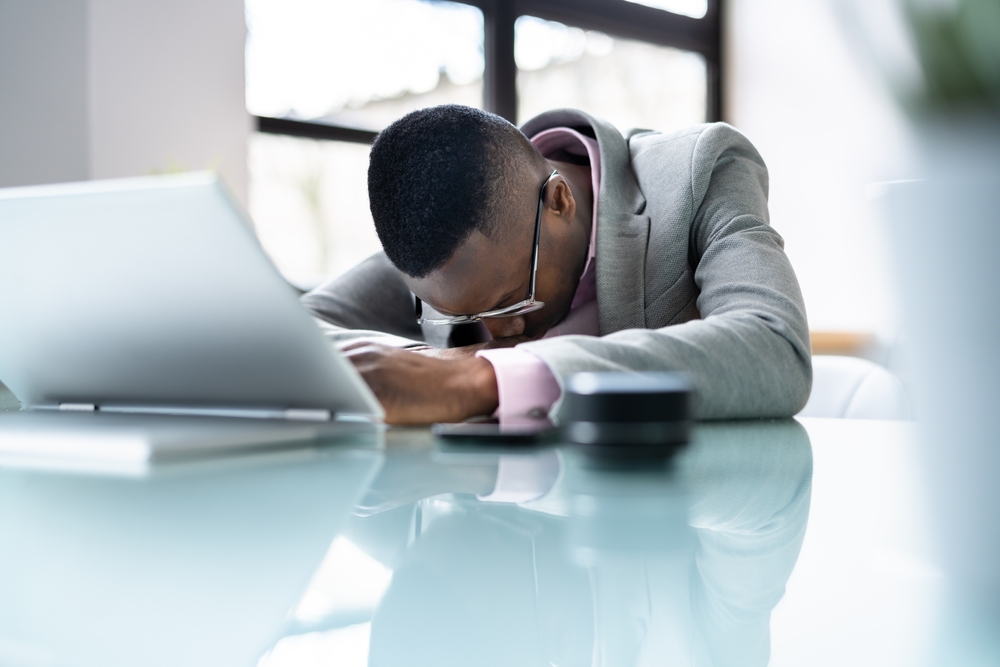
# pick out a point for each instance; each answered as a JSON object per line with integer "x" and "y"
{"x": 438, "y": 174}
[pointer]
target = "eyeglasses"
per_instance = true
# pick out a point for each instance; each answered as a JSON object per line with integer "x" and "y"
{"x": 529, "y": 305}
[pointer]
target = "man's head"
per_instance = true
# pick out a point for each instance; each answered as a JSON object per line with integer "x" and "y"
{"x": 454, "y": 193}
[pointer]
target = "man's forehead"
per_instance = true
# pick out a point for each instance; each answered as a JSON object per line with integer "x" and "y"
{"x": 479, "y": 272}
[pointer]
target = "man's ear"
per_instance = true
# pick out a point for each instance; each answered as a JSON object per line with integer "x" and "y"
{"x": 562, "y": 202}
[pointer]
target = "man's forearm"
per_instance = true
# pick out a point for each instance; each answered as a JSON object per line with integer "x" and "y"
{"x": 741, "y": 366}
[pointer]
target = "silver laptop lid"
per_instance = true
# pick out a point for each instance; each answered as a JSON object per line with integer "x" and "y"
{"x": 154, "y": 291}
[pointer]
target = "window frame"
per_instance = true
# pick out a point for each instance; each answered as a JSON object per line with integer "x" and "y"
{"x": 618, "y": 18}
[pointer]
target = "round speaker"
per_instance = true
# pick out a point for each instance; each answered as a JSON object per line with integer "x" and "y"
{"x": 627, "y": 414}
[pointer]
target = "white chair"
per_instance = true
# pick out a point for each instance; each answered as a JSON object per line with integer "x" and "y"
{"x": 853, "y": 388}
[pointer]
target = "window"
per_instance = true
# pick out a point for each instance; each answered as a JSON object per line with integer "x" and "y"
{"x": 309, "y": 204}
{"x": 361, "y": 64}
{"x": 624, "y": 81}
{"x": 333, "y": 73}
{"x": 324, "y": 76}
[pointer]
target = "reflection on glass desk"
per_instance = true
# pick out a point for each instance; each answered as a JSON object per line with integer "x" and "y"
{"x": 775, "y": 542}
{"x": 193, "y": 564}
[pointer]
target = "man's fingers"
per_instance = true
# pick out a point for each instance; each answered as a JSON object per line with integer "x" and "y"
{"x": 363, "y": 362}
{"x": 366, "y": 359}
{"x": 356, "y": 345}
{"x": 366, "y": 349}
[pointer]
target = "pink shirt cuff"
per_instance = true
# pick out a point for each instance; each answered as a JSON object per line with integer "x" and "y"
{"x": 525, "y": 384}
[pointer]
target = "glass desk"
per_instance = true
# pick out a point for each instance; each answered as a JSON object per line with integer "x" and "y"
{"x": 777, "y": 542}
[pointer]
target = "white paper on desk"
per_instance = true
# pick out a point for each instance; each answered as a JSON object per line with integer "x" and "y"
{"x": 129, "y": 444}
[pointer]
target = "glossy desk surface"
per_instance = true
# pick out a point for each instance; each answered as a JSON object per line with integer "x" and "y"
{"x": 782, "y": 543}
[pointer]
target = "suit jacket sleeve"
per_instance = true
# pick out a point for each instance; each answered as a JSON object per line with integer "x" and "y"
{"x": 749, "y": 355}
{"x": 369, "y": 302}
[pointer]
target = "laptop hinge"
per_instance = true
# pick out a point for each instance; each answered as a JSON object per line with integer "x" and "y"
{"x": 290, "y": 414}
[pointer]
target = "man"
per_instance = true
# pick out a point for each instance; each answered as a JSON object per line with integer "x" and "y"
{"x": 578, "y": 249}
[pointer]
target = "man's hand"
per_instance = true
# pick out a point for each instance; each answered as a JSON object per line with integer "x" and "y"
{"x": 418, "y": 389}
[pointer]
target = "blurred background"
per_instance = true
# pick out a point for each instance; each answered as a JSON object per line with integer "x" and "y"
{"x": 283, "y": 98}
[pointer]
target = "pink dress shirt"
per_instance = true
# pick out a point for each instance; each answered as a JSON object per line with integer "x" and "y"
{"x": 525, "y": 384}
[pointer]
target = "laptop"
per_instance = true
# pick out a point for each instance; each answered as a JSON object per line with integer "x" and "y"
{"x": 152, "y": 297}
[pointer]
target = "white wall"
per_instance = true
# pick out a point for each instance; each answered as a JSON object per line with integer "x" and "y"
{"x": 43, "y": 91}
{"x": 826, "y": 129}
{"x": 110, "y": 88}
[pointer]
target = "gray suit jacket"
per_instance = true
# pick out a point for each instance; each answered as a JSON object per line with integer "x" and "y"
{"x": 690, "y": 276}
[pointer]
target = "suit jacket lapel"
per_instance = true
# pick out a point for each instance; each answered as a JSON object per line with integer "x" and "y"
{"x": 621, "y": 270}
{"x": 622, "y": 230}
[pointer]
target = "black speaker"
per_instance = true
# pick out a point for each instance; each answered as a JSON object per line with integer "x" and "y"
{"x": 627, "y": 414}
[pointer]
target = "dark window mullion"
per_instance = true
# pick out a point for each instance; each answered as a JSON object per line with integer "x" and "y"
{"x": 714, "y": 71}
{"x": 500, "y": 72}
{"x": 312, "y": 130}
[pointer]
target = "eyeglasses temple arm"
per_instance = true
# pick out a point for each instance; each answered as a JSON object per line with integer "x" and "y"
{"x": 538, "y": 231}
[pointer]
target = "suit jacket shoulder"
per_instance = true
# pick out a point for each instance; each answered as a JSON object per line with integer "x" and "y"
{"x": 675, "y": 172}
{"x": 690, "y": 274}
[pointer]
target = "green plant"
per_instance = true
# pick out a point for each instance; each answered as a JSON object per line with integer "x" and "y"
{"x": 957, "y": 45}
